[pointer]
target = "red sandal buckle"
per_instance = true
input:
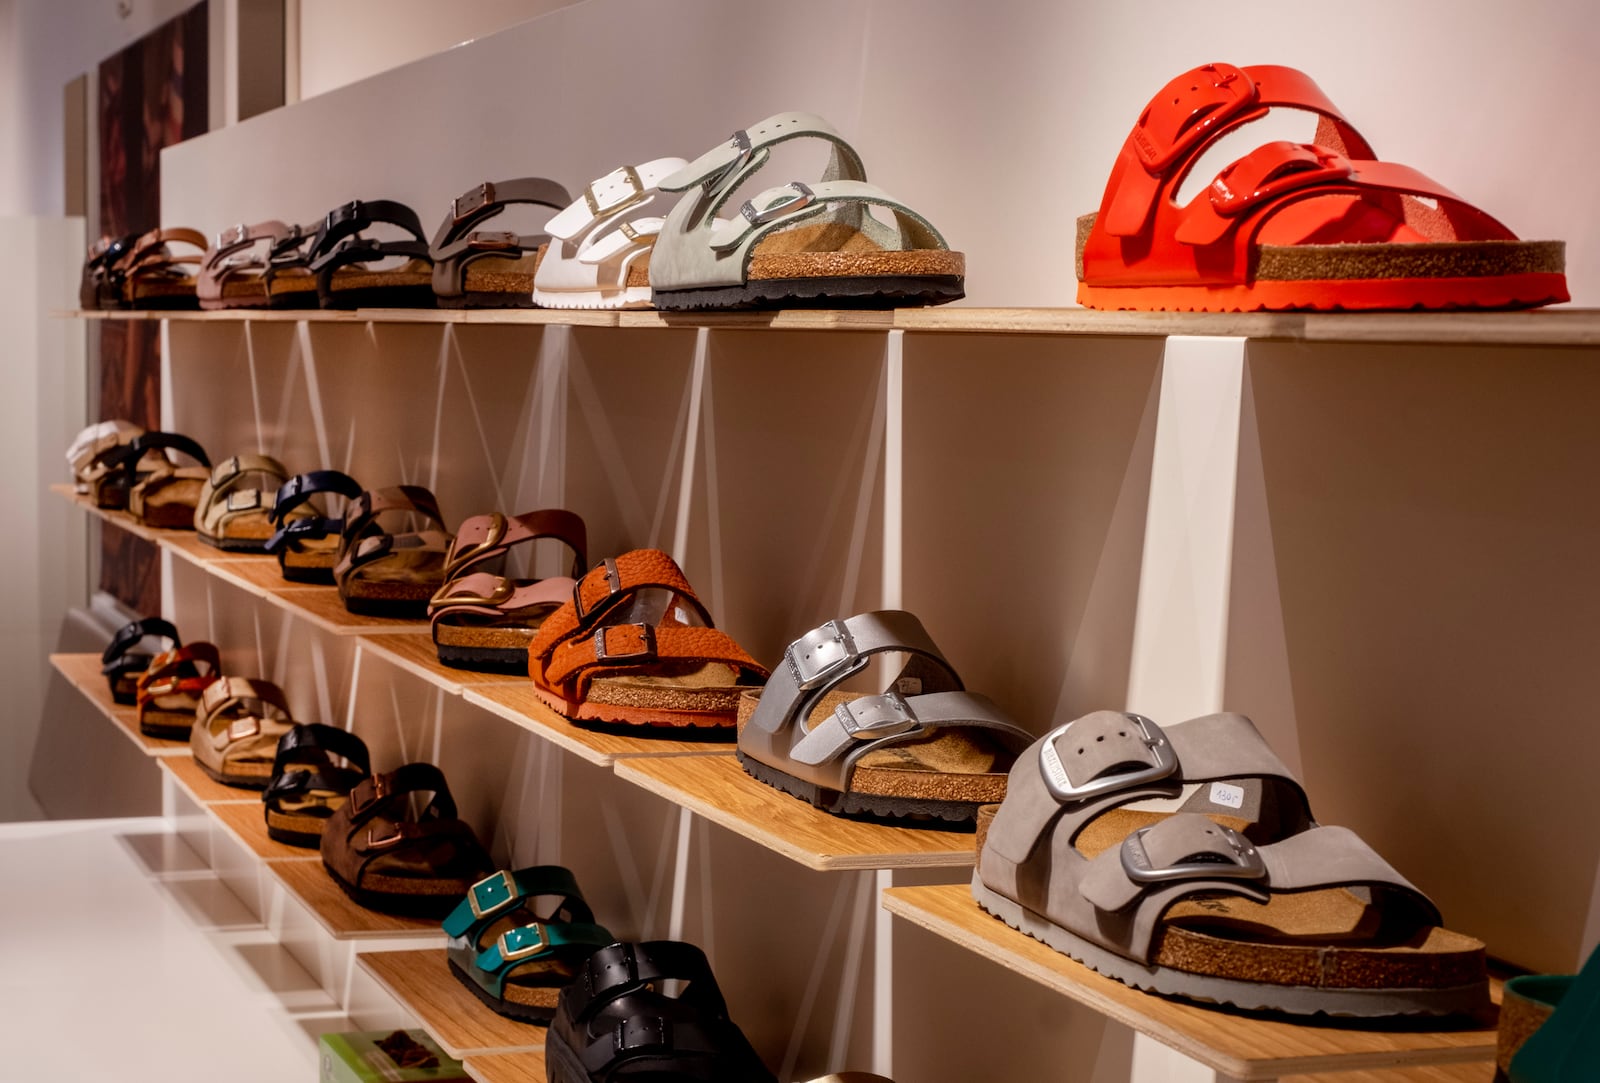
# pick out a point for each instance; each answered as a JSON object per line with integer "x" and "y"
{"x": 1271, "y": 170}
{"x": 1186, "y": 111}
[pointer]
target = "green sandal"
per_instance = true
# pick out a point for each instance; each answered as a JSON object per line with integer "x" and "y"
{"x": 1550, "y": 1027}
{"x": 512, "y": 958}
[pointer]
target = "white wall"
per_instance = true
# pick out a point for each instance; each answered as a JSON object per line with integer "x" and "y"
{"x": 342, "y": 41}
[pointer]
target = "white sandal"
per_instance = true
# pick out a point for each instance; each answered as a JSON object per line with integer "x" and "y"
{"x": 599, "y": 250}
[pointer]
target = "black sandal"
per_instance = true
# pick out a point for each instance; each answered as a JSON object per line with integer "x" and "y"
{"x": 307, "y": 785}
{"x": 340, "y": 253}
{"x": 614, "y": 1022}
{"x": 122, "y": 665}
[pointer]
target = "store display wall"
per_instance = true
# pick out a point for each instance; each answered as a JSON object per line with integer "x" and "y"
{"x": 1399, "y": 528}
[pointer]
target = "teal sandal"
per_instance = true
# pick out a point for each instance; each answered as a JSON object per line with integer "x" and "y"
{"x": 1550, "y": 1027}
{"x": 514, "y": 957}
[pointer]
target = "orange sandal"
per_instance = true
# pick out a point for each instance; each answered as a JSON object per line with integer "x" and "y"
{"x": 1320, "y": 225}
{"x": 636, "y": 647}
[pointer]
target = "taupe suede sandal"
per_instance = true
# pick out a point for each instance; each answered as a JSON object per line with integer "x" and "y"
{"x": 234, "y": 271}
{"x": 237, "y": 729}
{"x": 234, "y": 511}
{"x": 925, "y": 747}
{"x": 811, "y": 244}
{"x": 484, "y": 619}
{"x": 390, "y": 561}
{"x": 474, "y": 268}
{"x": 164, "y": 495}
{"x": 1185, "y": 861}
{"x": 153, "y": 277}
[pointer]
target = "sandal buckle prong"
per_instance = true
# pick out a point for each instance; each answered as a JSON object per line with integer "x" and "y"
{"x": 803, "y": 197}
{"x": 465, "y": 205}
{"x": 823, "y": 655}
{"x": 1164, "y": 763}
{"x": 741, "y": 144}
{"x": 1247, "y": 864}
{"x": 870, "y": 717}
{"x": 492, "y": 894}
{"x": 646, "y": 649}
{"x": 516, "y": 943}
{"x": 600, "y": 206}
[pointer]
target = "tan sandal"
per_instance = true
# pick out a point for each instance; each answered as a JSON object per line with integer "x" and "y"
{"x": 234, "y": 509}
{"x": 160, "y": 493}
{"x": 237, "y": 729}
{"x": 153, "y": 278}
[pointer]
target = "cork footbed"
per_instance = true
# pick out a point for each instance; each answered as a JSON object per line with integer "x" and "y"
{"x": 159, "y": 288}
{"x": 500, "y": 637}
{"x": 125, "y": 688}
{"x": 838, "y": 250}
{"x": 293, "y": 288}
{"x": 251, "y": 526}
{"x": 499, "y": 274}
{"x": 674, "y": 694}
{"x": 249, "y": 774}
{"x": 168, "y": 716}
{"x": 535, "y": 984}
{"x": 397, "y": 576}
{"x": 296, "y": 830}
{"x": 951, "y": 765}
{"x": 1399, "y": 275}
{"x": 1520, "y": 1016}
{"x": 240, "y": 291}
{"x": 1324, "y": 939}
{"x": 168, "y": 503}
{"x": 414, "y": 272}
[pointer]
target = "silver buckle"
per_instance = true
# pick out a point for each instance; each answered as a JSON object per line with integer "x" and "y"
{"x": 741, "y": 143}
{"x": 1247, "y": 865}
{"x": 635, "y": 193}
{"x": 803, "y": 197}
{"x": 871, "y": 717}
{"x": 823, "y": 655}
{"x": 244, "y": 727}
{"x": 511, "y": 954}
{"x": 231, "y": 236}
{"x": 1061, "y": 787}
{"x": 501, "y": 880}
{"x": 243, "y": 500}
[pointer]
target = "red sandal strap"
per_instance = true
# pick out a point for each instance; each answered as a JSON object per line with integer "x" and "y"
{"x": 620, "y": 648}
{"x": 1192, "y": 111}
{"x": 607, "y": 585}
{"x": 167, "y": 674}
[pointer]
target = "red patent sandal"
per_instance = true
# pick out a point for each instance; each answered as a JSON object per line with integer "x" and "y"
{"x": 1318, "y": 225}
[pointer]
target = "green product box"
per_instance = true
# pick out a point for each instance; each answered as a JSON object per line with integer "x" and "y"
{"x": 366, "y": 1058}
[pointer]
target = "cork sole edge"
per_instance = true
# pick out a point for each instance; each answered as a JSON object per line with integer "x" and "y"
{"x": 860, "y": 802}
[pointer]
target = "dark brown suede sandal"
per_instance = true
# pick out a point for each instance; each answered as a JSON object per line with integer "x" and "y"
{"x": 474, "y": 268}
{"x": 387, "y": 856}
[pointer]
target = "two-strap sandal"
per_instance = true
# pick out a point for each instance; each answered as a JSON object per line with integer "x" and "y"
{"x": 234, "y": 511}
{"x": 152, "y": 487}
{"x": 634, "y": 646}
{"x": 92, "y": 446}
{"x": 924, "y": 748}
{"x": 483, "y": 618}
{"x": 616, "y": 1021}
{"x": 169, "y": 692}
{"x": 100, "y": 286}
{"x": 795, "y": 244}
{"x": 354, "y": 270}
{"x": 119, "y": 466}
{"x": 478, "y": 268}
{"x": 1186, "y": 861}
{"x": 305, "y": 536}
{"x": 1319, "y": 225}
{"x": 237, "y": 727}
{"x": 599, "y": 252}
{"x": 127, "y": 655}
{"x": 152, "y": 276}
{"x": 391, "y": 559}
{"x": 313, "y": 771}
{"x": 234, "y": 273}
{"x": 391, "y": 851}
{"x": 515, "y": 954}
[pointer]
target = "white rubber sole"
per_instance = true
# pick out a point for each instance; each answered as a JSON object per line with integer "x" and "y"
{"x": 627, "y": 297}
{"x": 1252, "y": 996}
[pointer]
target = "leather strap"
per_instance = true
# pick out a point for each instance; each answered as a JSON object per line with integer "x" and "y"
{"x": 617, "y": 648}
{"x": 178, "y": 672}
{"x": 622, "y": 968}
{"x": 314, "y": 742}
{"x": 494, "y": 597}
{"x": 303, "y": 764}
{"x": 244, "y": 696}
{"x": 602, "y": 235}
{"x": 339, "y": 241}
{"x": 127, "y": 457}
{"x": 484, "y": 537}
{"x": 456, "y": 243}
{"x": 92, "y": 441}
{"x": 149, "y": 254}
{"x": 385, "y": 792}
{"x": 296, "y": 492}
{"x": 131, "y": 633}
{"x": 500, "y": 892}
{"x": 605, "y": 587}
{"x": 223, "y": 498}
{"x": 235, "y": 251}
{"x": 364, "y": 540}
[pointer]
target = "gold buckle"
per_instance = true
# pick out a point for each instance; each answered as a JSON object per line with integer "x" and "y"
{"x": 497, "y": 534}
{"x": 501, "y": 593}
{"x": 375, "y": 843}
{"x": 509, "y": 954}
{"x": 243, "y": 728}
{"x": 502, "y": 877}
{"x": 629, "y": 174}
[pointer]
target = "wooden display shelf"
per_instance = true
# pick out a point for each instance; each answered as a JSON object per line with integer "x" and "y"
{"x": 717, "y": 788}
{"x": 119, "y": 519}
{"x": 340, "y": 915}
{"x": 1476, "y": 1072}
{"x": 83, "y": 671}
{"x": 414, "y": 652}
{"x": 200, "y": 786}
{"x": 462, "y": 1025}
{"x": 1539, "y": 327}
{"x": 516, "y": 702}
{"x": 507, "y": 1068}
{"x": 1236, "y": 1045}
{"x": 246, "y": 823}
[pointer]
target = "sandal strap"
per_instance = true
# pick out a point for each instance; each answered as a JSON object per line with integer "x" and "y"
{"x": 604, "y": 198}
{"x": 176, "y": 671}
{"x": 247, "y": 698}
{"x": 149, "y": 254}
{"x": 364, "y": 540}
{"x": 235, "y": 251}
{"x": 534, "y": 942}
{"x": 1082, "y": 769}
{"x": 485, "y": 536}
{"x": 500, "y": 892}
{"x": 1189, "y": 854}
{"x": 88, "y": 444}
{"x": 622, "y": 968}
{"x": 128, "y": 456}
{"x": 379, "y": 793}
{"x": 339, "y": 240}
{"x": 456, "y": 244}
{"x": 619, "y": 648}
{"x": 790, "y": 204}
{"x": 725, "y": 166}
{"x": 496, "y": 597}
{"x": 605, "y": 587}
{"x": 302, "y": 487}
{"x": 131, "y": 633}
{"x": 1167, "y": 135}
{"x": 644, "y": 1035}
{"x": 313, "y": 742}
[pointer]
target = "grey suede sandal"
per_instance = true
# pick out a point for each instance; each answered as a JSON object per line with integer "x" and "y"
{"x": 797, "y": 244}
{"x": 1185, "y": 861}
{"x": 923, "y": 748}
